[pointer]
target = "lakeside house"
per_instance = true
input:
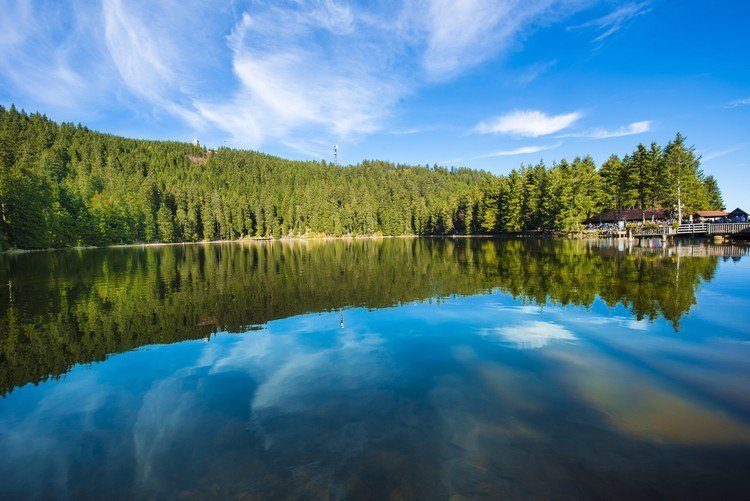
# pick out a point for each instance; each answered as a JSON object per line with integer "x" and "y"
{"x": 630, "y": 215}
{"x": 739, "y": 213}
{"x": 710, "y": 216}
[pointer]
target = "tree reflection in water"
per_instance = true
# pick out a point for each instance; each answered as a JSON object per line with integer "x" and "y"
{"x": 62, "y": 308}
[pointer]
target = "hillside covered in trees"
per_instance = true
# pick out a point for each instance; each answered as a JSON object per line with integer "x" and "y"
{"x": 63, "y": 185}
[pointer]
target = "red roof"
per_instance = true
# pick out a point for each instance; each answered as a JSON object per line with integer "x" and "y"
{"x": 711, "y": 213}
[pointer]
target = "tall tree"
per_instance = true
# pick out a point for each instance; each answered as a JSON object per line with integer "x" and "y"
{"x": 613, "y": 184}
{"x": 715, "y": 200}
{"x": 62, "y": 184}
{"x": 25, "y": 210}
{"x": 683, "y": 178}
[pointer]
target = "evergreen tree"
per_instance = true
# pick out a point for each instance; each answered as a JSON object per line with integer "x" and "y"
{"x": 25, "y": 213}
{"x": 715, "y": 200}
{"x": 63, "y": 185}
{"x": 165, "y": 224}
{"x": 683, "y": 178}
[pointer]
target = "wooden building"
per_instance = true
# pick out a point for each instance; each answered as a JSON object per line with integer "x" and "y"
{"x": 630, "y": 215}
{"x": 709, "y": 216}
{"x": 739, "y": 213}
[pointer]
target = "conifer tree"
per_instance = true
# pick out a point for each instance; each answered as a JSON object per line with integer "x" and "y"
{"x": 715, "y": 200}
{"x": 62, "y": 185}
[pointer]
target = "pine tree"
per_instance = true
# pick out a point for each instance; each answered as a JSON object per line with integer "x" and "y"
{"x": 165, "y": 224}
{"x": 612, "y": 194}
{"x": 715, "y": 200}
{"x": 25, "y": 211}
{"x": 684, "y": 179}
{"x": 63, "y": 185}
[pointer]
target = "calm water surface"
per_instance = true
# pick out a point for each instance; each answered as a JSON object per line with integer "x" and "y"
{"x": 401, "y": 368}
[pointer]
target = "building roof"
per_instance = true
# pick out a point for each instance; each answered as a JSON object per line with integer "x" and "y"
{"x": 738, "y": 212}
{"x": 629, "y": 215}
{"x": 711, "y": 213}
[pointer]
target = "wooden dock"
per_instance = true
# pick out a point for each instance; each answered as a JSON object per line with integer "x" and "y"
{"x": 695, "y": 230}
{"x": 699, "y": 250}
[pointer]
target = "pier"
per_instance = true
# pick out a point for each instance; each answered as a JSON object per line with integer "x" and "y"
{"x": 696, "y": 230}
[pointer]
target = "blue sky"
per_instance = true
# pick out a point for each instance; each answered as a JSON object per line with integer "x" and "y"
{"x": 478, "y": 83}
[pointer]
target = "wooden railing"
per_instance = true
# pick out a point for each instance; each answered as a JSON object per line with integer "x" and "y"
{"x": 699, "y": 250}
{"x": 653, "y": 232}
{"x": 690, "y": 229}
{"x": 694, "y": 229}
{"x": 727, "y": 228}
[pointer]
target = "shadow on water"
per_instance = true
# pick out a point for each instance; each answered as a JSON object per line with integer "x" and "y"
{"x": 62, "y": 308}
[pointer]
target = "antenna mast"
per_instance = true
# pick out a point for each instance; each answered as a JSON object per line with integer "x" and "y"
{"x": 336, "y": 153}
{"x": 679, "y": 190}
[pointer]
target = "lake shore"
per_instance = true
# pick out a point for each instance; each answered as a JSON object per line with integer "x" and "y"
{"x": 253, "y": 240}
{"x": 546, "y": 235}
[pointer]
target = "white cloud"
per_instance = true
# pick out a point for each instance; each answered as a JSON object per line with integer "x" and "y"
{"x": 462, "y": 34}
{"x": 349, "y": 86}
{"x": 413, "y": 130}
{"x": 531, "y": 73}
{"x": 611, "y": 23}
{"x": 38, "y": 56}
{"x": 288, "y": 85}
{"x": 717, "y": 154}
{"x": 626, "y": 130}
{"x": 135, "y": 52}
{"x": 738, "y": 103}
{"x": 312, "y": 69}
{"x": 149, "y": 56}
{"x": 524, "y": 150}
{"x": 528, "y": 123}
{"x": 533, "y": 335}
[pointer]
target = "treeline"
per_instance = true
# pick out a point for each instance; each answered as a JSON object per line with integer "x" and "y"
{"x": 79, "y": 306}
{"x": 63, "y": 185}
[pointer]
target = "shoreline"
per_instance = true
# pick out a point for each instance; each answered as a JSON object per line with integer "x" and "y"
{"x": 241, "y": 240}
{"x": 566, "y": 236}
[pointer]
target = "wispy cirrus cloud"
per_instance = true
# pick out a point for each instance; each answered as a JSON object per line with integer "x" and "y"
{"x": 459, "y": 35}
{"x": 738, "y": 103}
{"x": 611, "y": 23}
{"x": 626, "y": 130}
{"x": 286, "y": 87}
{"x": 716, "y": 154}
{"x": 413, "y": 130}
{"x": 40, "y": 56}
{"x": 297, "y": 73}
{"x": 528, "y": 123}
{"x": 149, "y": 63}
{"x": 533, "y": 72}
{"x": 350, "y": 83}
{"x": 524, "y": 150}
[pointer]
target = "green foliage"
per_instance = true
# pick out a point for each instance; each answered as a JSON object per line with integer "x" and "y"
{"x": 713, "y": 193}
{"x": 165, "y": 224}
{"x": 62, "y": 308}
{"x": 25, "y": 210}
{"x": 63, "y": 185}
{"x": 684, "y": 177}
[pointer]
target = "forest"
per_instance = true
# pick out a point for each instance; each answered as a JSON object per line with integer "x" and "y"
{"x": 81, "y": 305}
{"x": 63, "y": 185}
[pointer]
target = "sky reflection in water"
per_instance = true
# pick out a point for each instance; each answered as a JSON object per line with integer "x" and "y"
{"x": 479, "y": 395}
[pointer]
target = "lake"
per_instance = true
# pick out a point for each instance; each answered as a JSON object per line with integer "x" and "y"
{"x": 408, "y": 368}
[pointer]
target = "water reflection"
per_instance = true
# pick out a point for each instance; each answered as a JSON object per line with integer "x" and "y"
{"x": 71, "y": 307}
{"x": 458, "y": 369}
{"x": 532, "y": 335}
